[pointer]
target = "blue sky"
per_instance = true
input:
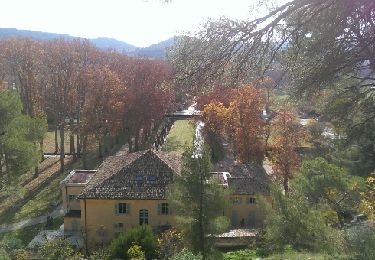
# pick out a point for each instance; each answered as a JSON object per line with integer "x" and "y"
{"x": 138, "y": 22}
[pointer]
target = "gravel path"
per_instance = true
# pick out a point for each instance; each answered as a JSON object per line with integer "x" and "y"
{"x": 30, "y": 222}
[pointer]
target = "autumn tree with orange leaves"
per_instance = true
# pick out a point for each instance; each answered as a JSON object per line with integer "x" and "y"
{"x": 103, "y": 106}
{"x": 246, "y": 126}
{"x": 287, "y": 135}
{"x": 215, "y": 117}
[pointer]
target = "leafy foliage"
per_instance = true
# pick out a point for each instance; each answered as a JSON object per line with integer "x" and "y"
{"x": 141, "y": 236}
{"x": 58, "y": 249}
{"x": 325, "y": 183}
{"x": 286, "y": 135}
{"x": 198, "y": 202}
{"x": 170, "y": 243}
{"x": 291, "y": 221}
{"x": 368, "y": 198}
{"x": 185, "y": 254}
{"x": 19, "y": 137}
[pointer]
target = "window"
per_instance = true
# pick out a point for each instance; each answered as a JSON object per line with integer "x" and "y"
{"x": 236, "y": 200}
{"x": 118, "y": 225}
{"x": 250, "y": 200}
{"x": 72, "y": 197}
{"x": 139, "y": 178}
{"x": 122, "y": 208}
{"x": 151, "y": 178}
{"x": 163, "y": 209}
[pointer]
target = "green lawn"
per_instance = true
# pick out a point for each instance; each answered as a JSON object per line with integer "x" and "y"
{"x": 49, "y": 142}
{"x": 180, "y": 136}
{"x": 28, "y": 233}
{"x": 249, "y": 254}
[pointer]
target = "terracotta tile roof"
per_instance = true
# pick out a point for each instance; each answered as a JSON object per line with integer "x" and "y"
{"x": 249, "y": 179}
{"x": 140, "y": 175}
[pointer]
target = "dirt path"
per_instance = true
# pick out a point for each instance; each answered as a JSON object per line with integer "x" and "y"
{"x": 31, "y": 221}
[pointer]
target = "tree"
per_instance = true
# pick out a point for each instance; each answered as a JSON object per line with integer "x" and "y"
{"x": 141, "y": 236}
{"x": 291, "y": 221}
{"x": 367, "y": 205}
{"x": 103, "y": 104}
{"x": 287, "y": 135}
{"x": 19, "y": 151}
{"x": 198, "y": 202}
{"x": 246, "y": 126}
{"x": 214, "y": 118}
{"x": 325, "y": 183}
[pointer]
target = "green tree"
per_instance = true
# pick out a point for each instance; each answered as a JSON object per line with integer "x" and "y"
{"x": 141, "y": 236}
{"x": 20, "y": 136}
{"x": 198, "y": 201}
{"x": 290, "y": 220}
{"x": 325, "y": 183}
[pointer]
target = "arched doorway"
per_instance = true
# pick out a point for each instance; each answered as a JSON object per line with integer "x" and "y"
{"x": 143, "y": 217}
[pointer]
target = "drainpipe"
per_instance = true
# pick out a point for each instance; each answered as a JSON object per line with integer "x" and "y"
{"x": 84, "y": 201}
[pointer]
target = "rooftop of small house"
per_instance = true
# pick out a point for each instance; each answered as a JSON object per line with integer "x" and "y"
{"x": 139, "y": 175}
{"x": 245, "y": 179}
{"x": 79, "y": 177}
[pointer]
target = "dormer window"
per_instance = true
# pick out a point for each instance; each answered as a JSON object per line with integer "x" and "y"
{"x": 139, "y": 178}
{"x": 151, "y": 178}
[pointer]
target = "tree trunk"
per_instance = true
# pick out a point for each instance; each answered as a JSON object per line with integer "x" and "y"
{"x": 71, "y": 139}
{"x": 130, "y": 144}
{"x": 100, "y": 148}
{"x": 62, "y": 146}
{"x": 136, "y": 141}
{"x": 41, "y": 143}
{"x": 78, "y": 144}
{"x": 84, "y": 151}
{"x": 56, "y": 140}
{"x": 286, "y": 185}
{"x": 201, "y": 225}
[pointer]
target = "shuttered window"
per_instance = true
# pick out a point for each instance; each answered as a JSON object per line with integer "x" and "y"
{"x": 163, "y": 209}
{"x": 122, "y": 208}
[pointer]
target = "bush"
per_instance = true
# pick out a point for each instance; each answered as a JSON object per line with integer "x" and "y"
{"x": 135, "y": 252}
{"x": 100, "y": 255}
{"x": 170, "y": 243}
{"x": 240, "y": 255}
{"x": 187, "y": 255}
{"x": 362, "y": 242}
{"x": 142, "y": 236}
{"x": 59, "y": 249}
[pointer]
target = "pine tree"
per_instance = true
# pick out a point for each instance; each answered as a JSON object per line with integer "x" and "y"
{"x": 198, "y": 201}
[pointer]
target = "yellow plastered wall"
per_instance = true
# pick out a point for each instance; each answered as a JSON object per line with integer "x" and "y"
{"x": 99, "y": 218}
{"x": 72, "y": 225}
{"x": 67, "y": 190}
{"x": 244, "y": 214}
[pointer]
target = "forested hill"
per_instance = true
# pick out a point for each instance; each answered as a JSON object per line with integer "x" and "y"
{"x": 153, "y": 51}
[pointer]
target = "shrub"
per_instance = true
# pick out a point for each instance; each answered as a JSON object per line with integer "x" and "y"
{"x": 135, "y": 252}
{"x": 185, "y": 254}
{"x": 240, "y": 254}
{"x": 142, "y": 236}
{"x": 59, "y": 249}
{"x": 100, "y": 255}
{"x": 362, "y": 242}
{"x": 170, "y": 243}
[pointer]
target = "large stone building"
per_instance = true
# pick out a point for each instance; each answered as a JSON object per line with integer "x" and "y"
{"x": 130, "y": 190}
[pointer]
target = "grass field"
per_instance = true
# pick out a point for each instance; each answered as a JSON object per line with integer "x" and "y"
{"x": 49, "y": 142}
{"x": 28, "y": 233}
{"x": 180, "y": 136}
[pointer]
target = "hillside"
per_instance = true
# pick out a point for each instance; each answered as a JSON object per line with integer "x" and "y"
{"x": 155, "y": 51}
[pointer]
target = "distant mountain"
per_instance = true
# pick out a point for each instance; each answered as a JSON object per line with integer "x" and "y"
{"x": 156, "y": 51}
{"x": 110, "y": 43}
